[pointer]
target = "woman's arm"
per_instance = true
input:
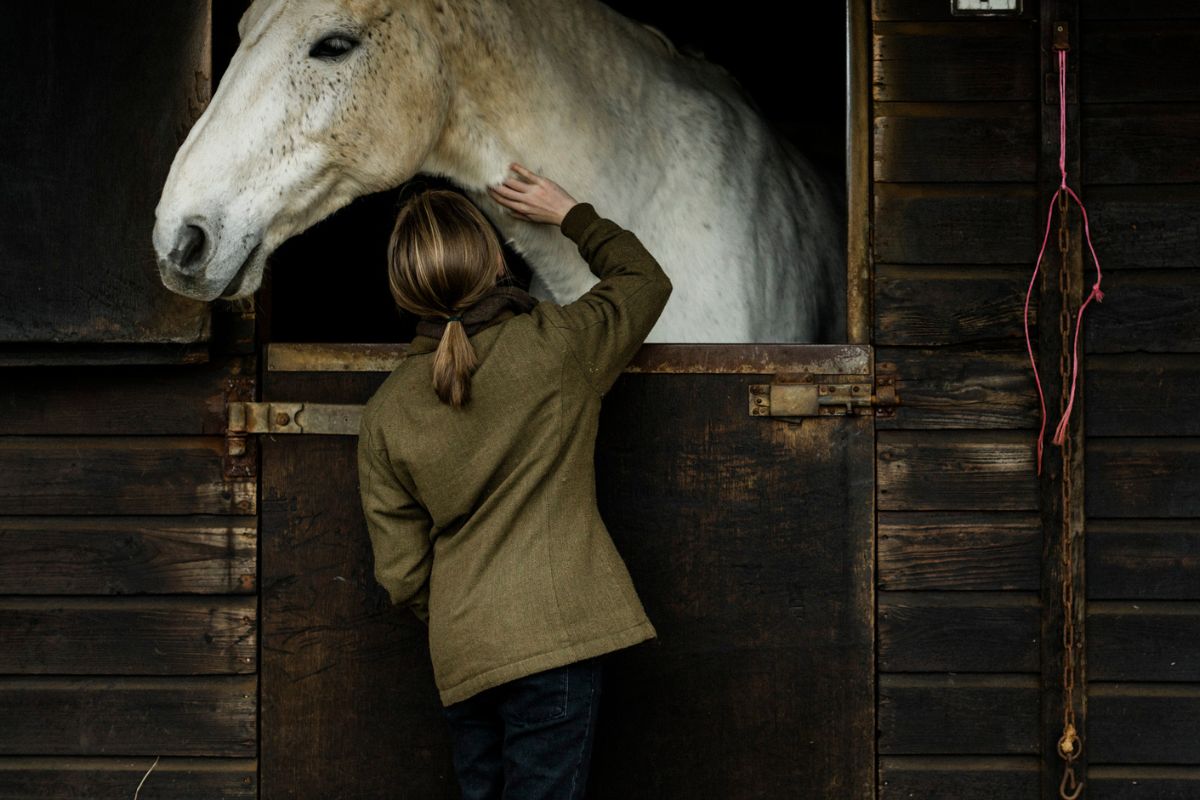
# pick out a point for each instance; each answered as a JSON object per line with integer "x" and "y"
{"x": 398, "y": 526}
{"x": 606, "y": 326}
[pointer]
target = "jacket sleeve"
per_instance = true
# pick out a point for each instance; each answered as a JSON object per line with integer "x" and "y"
{"x": 398, "y": 527}
{"x": 605, "y": 327}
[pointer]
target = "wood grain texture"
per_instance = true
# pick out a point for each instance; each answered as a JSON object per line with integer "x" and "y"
{"x": 1162, "y": 715}
{"x": 346, "y": 677}
{"x": 958, "y": 551}
{"x": 757, "y": 580}
{"x": 1139, "y": 9}
{"x": 1148, "y": 311}
{"x": 957, "y": 777}
{"x": 1142, "y": 394}
{"x": 955, "y": 61}
{"x": 129, "y": 716}
{"x": 955, "y": 142}
{"x": 84, "y": 165}
{"x": 1143, "y": 640}
{"x": 118, "y": 475}
{"x": 958, "y": 632}
{"x": 956, "y": 471}
{"x": 128, "y": 636}
{"x": 1143, "y": 478}
{"x": 94, "y": 401}
{"x": 170, "y": 779}
{"x": 924, "y": 306}
{"x": 1112, "y": 782}
{"x": 128, "y": 555}
{"x": 956, "y": 224}
{"x": 1142, "y": 143}
{"x": 959, "y": 387}
{"x": 1136, "y": 227}
{"x": 1143, "y": 559}
{"x": 965, "y": 714}
{"x": 1126, "y": 61}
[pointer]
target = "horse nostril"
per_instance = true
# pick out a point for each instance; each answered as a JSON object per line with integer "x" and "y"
{"x": 188, "y": 249}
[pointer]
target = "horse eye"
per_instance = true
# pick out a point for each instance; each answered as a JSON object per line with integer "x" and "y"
{"x": 332, "y": 48}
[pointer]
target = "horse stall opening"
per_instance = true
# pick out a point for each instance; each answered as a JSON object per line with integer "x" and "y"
{"x": 749, "y": 534}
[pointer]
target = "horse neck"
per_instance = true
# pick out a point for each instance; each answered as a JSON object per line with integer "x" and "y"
{"x": 564, "y": 87}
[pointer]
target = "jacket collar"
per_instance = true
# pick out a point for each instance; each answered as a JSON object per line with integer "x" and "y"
{"x": 503, "y": 301}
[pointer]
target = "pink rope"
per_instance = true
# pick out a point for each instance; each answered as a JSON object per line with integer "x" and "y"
{"x": 1060, "y": 431}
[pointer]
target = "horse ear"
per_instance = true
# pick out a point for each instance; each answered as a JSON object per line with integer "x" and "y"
{"x": 251, "y": 16}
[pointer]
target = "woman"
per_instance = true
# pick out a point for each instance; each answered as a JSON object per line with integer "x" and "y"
{"x": 477, "y": 481}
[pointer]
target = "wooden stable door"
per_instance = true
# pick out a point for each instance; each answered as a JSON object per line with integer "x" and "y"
{"x": 749, "y": 536}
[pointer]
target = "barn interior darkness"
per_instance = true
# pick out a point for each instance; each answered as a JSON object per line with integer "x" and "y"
{"x": 794, "y": 72}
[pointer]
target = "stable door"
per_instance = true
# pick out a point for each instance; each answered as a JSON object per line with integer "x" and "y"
{"x": 737, "y": 482}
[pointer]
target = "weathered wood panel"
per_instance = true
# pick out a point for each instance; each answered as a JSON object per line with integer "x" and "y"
{"x": 961, "y": 61}
{"x": 1149, "y": 311}
{"x": 1142, "y": 394}
{"x": 118, "y": 475}
{"x": 957, "y": 777}
{"x": 958, "y": 631}
{"x": 67, "y": 778}
{"x": 956, "y": 471}
{"x": 1150, "y": 559}
{"x": 1141, "y": 144}
{"x": 1145, "y": 226}
{"x": 94, "y": 401}
{"x": 1143, "y": 478}
{"x": 960, "y": 387}
{"x": 957, "y": 224}
{"x": 702, "y": 479}
{"x": 1139, "y": 9}
{"x": 1137, "y": 61}
{"x": 1143, "y": 723}
{"x": 128, "y": 636}
{"x": 84, "y": 163}
{"x": 922, "y": 306}
{"x": 969, "y": 142}
{"x": 128, "y": 555}
{"x": 958, "y": 551}
{"x": 176, "y": 716}
{"x": 1143, "y": 640}
{"x": 1143, "y": 783}
{"x": 968, "y": 714}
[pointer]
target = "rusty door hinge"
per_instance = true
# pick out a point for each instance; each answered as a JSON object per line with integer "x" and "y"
{"x": 814, "y": 397}
{"x": 329, "y": 419}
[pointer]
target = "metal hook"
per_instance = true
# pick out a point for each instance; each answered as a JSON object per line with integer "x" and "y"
{"x": 1076, "y": 787}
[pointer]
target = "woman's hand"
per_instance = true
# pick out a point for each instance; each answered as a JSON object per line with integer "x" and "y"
{"x": 531, "y": 197}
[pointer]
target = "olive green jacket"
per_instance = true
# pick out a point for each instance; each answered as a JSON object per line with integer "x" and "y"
{"x": 483, "y": 520}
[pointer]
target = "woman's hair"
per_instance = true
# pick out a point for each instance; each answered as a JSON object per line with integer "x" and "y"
{"x": 442, "y": 258}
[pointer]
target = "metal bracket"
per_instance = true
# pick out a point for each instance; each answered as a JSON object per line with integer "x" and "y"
{"x": 817, "y": 398}
{"x": 312, "y": 418}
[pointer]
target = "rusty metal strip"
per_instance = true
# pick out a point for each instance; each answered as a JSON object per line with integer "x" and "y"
{"x": 753, "y": 359}
{"x": 858, "y": 177}
{"x": 328, "y": 419}
{"x": 733, "y": 359}
{"x": 334, "y": 357}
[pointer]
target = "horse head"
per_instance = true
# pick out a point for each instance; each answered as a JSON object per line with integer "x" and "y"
{"x": 324, "y": 101}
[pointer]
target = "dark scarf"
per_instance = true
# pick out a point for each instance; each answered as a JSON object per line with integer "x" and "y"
{"x": 487, "y": 311}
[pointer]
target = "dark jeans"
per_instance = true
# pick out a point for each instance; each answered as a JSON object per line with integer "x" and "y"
{"x": 530, "y": 738}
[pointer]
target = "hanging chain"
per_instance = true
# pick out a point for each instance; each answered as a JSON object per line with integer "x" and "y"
{"x": 1069, "y": 744}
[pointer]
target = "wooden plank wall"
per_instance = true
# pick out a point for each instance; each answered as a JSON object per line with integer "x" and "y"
{"x": 128, "y": 589}
{"x": 1140, "y": 121}
{"x": 955, "y": 155}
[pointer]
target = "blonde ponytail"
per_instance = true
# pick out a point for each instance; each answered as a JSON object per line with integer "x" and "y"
{"x": 453, "y": 364}
{"x": 444, "y": 255}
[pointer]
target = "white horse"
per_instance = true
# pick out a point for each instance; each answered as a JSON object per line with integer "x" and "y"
{"x": 328, "y": 100}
